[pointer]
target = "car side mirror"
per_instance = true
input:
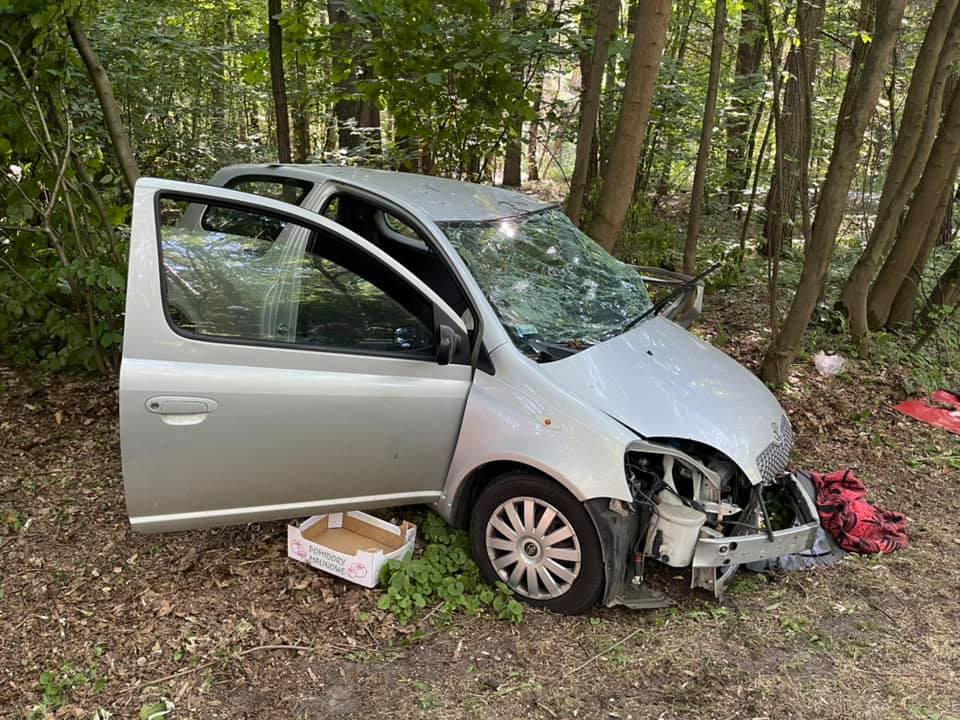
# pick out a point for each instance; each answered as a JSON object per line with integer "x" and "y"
{"x": 446, "y": 344}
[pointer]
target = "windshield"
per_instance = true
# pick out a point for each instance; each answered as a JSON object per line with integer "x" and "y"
{"x": 549, "y": 282}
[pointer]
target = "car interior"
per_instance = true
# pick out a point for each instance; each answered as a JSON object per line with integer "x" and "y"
{"x": 401, "y": 242}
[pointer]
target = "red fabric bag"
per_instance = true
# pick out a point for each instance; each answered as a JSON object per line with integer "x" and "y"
{"x": 854, "y": 523}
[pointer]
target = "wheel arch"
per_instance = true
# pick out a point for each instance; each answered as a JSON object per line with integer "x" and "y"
{"x": 473, "y": 483}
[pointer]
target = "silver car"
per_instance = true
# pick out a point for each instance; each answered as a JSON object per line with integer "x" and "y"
{"x": 305, "y": 339}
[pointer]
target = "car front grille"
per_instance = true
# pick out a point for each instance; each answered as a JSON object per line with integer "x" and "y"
{"x": 775, "y": 457}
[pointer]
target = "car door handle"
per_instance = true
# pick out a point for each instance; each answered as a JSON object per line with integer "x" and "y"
{"x": 179, "y": 405}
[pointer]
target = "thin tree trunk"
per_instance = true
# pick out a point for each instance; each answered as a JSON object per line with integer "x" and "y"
{"x": 301, "y": 115}
{"x": 278, "y": 82}
{"x": 860, "y": 97}
{"x": 744, "y": 100}
{"x": 591, "y": 84}
{"x": 922, "y": 213}
{"x": 533, "y": 133}
{"x": 918, "y": 128}
{"x": 650, "y": 35}
{"x": 795, "y": 130}
{"x": 776, "y": 119}
{"x": 756, "y": 181}
{"x": 218, "y": 80}
{"x": 533, "y": 136}
{"x": 108, "y": 104}
{"x": 947, "y": 232}
{"x": 706, "y": 135}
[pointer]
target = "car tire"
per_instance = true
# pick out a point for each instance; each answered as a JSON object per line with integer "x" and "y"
{"x": 553, "y": 560}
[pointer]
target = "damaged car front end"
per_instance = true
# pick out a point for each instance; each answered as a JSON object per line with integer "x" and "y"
{"x": 693, "y": 508}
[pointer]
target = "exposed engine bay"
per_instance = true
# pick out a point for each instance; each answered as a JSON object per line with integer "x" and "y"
{"x": 693, "y": 507}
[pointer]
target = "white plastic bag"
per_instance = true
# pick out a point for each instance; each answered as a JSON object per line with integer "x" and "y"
{"x": 829, "y": 365}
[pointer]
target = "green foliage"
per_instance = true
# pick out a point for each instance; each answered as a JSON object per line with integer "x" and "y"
{"x": 648, "y": 240}
{"x": 61, "y": 261}
{"x": 445, "y": 575}
{"x": 12, "y": 521}
{"x": 465, "y": 88}
{"x": 935, "y": 366}
{"x": 56, "y": 687}
{"x": 156, "y": 710}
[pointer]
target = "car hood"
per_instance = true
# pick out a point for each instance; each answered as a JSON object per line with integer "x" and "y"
{"x": 663, "y": 382}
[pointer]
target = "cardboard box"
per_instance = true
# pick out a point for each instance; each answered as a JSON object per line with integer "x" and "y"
{"x": 351, "y": 545}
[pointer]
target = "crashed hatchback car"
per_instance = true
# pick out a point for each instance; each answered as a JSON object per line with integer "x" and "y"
{"x": 305, "y": 338}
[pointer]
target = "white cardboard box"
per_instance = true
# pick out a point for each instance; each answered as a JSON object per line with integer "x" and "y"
{"x": 351, "y": 545}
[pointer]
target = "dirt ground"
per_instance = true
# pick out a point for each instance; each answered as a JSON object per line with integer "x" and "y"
{"x": 220, "y": 624}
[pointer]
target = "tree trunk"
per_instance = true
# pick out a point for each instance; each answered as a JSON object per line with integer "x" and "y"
{"x": 278, "y": 82}
{"x": 533, "y": 135}
{"x": 918, "y": 127}
{"x": 513, "y": 163}
{"x": 513, "y": 153}
{"x": 946, "y": 234}
{"x": 650, "y": 35}
{"x": 944, "y": 294}
{"x": 744, "y": 100}
{"x": 301, "y": 115}
{"x": 706, "y": 135}
{"x": 358, "y": 120}
{"x": 922, "y": 213}
{"x": 795, "y": 129}
{"x": 591, "y": 84}
{"x": 862, "y": 91}
{"x": 218, "y": 80}
{"x": 108, "y": 104}
{"x": 905, "y": 303}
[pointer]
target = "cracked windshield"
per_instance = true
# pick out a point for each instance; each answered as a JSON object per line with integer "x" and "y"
{"x": 551, "y": 285}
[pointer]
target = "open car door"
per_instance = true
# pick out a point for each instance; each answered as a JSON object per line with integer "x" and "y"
{"x": 276, "y": 364}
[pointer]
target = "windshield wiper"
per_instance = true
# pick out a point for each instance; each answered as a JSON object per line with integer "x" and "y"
{"x": 670, "y": 297}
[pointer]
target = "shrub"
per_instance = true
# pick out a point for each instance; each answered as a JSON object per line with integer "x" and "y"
{"x": 445, "y": 575}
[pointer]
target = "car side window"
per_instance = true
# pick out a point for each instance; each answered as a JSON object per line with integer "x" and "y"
{"x": 312, "y": 290}
{"x": 289, "y": 190}
{"x": 229, "y": 220}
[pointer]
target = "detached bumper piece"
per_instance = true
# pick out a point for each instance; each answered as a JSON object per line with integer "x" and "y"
{"x": 618, "y": 529}
{"x": 716, "y": 559}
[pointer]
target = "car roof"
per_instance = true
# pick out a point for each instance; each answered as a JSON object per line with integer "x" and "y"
{"x": 442, "y": 199}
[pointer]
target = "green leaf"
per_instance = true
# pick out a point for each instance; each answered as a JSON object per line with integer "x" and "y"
{"x": 154, "y": 711}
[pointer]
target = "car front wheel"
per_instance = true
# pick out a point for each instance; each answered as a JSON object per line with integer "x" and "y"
{"x": 530, "y": 533}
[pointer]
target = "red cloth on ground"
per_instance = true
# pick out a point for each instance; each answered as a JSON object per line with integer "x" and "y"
{"x": 854, "y": 523}
{"x": 923, "y": 411}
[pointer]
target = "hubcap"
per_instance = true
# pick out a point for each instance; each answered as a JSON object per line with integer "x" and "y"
{"x": 533, "y": 548}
